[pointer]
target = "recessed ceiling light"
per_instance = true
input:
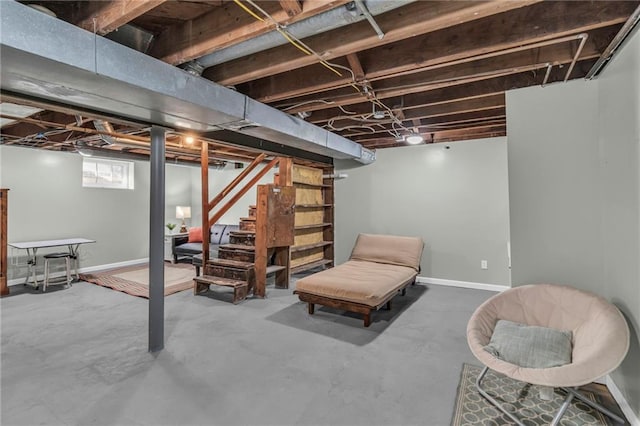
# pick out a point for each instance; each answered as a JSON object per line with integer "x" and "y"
{"x": 414, "y": 139}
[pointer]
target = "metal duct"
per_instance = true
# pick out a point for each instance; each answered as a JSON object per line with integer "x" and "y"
{"x": 131, "y": 36}
{"x": 329, "y": 20}
{"x": 97, "y": 74}
{"x": 104, "y": 126}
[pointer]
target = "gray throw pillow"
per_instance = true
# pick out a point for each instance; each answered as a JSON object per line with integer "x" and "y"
{"x": 530, "y": 346}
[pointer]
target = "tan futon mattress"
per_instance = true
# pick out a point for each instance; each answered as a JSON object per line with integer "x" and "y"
{"x": 357, "y": 281}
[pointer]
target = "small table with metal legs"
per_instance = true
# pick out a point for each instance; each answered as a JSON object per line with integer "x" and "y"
{"x": 73, "y": 245}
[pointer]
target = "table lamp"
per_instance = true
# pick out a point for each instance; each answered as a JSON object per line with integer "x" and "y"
{"x": 183, "y": 212}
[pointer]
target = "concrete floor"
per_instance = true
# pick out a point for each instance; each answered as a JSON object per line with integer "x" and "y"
{"x": 78, "y": 356}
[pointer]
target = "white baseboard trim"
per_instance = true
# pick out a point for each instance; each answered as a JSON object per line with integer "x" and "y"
{"x": 464, "y": 284}
{"x": 114, "y": 265}
{"x": 58, "y": 274}
{"x": 622, "y": 402}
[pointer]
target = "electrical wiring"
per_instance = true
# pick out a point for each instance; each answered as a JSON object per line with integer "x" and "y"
{"x": 303, "y": 47}
{"x": 313, "y": 101}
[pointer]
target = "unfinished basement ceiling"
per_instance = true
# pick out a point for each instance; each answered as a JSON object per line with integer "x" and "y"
{"x": 370, "y": 71}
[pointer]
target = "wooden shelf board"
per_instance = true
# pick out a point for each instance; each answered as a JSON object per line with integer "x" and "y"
{"x": 314, "y": 225}
{"x": 314, "y": 206}
{"x": 311, "y": 265}
{"x": 311, "y": 246}
{"x": 311, "y": 185}
{"x": 275, "y": 268}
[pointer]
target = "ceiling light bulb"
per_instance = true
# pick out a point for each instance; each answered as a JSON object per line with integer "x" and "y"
{"x": 189, "y": 139}
{"x": 414, "y": 139}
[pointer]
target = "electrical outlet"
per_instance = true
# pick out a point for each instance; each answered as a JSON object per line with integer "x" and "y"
{"x": 483, "y": 264}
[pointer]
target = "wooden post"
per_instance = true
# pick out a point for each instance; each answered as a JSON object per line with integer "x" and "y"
{"x": 285, "y": 170}
{"x": 204, "y": 166}
{"x": 4, "y": 204}
{"x": 260, "y": 261}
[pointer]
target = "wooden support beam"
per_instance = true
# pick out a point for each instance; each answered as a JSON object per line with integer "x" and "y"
{"x": 292, "y": 7}
{"x": 285, "y": 170}
{"x": 102, "y": 17}
{"x": 399, "y": 24}
{"x": 356, "y": 66}
{"x": 224, "y": 27}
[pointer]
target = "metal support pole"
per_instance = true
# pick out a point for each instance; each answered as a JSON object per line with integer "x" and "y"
{"x": 156, "y": 241}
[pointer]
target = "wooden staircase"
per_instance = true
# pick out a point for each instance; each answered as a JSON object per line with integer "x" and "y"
{"x": 265, "y": 234}
{"x": 235, "y": 265}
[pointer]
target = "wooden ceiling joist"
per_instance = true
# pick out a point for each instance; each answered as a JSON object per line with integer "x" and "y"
{"x": 482, "y": 103}
{"x": 224, "y": 27}
{"x": 426, "y": 124}
{"x": 491, "y": 86}
{"x": 445, "y": 48}
{"x": 479, "y": 132}
{"x": 402, "y": 23}
{"x": 451, "y": 76}
{"x": 292, "y": 7}
{"x": 102, "y": 17}
{"x": 487, "y": 106}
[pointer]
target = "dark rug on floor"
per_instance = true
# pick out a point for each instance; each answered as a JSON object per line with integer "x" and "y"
{"x": 472, "y": 409}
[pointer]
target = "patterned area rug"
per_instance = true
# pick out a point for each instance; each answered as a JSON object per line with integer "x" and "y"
{"x": 522, "y": 398}
{"x": 134, "y": 280}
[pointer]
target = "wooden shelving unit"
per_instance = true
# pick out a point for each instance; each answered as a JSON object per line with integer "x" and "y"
{"x": 313, "y": 241}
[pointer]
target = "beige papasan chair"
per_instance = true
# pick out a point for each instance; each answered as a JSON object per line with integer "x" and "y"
{"x": 600, "y": 338}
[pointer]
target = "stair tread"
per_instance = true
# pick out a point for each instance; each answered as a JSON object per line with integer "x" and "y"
{"x": 227, "y": 282}
{"x": 231, "y": 263}
{"x": 248, "y": 219}
{"x": 242, "y": 232}
{"x": 240, "y": 247}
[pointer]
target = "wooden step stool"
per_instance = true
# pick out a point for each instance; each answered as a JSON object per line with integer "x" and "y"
{"x": 203, "y": 282}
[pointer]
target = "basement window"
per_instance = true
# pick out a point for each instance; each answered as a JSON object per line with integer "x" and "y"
{"x": 103, "y": 173}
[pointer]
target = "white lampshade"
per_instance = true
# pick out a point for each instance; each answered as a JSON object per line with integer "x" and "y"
{"x": 183, "y": 212}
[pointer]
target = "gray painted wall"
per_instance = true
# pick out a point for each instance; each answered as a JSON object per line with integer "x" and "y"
{"x": 619, "y": 137}
{"x": 574, "y": 184}
{"x": 555, "y": 185}
{"x": 455, "y": 199}
{"x": 47, "y": 201}
{"x": 218, "y": 180}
